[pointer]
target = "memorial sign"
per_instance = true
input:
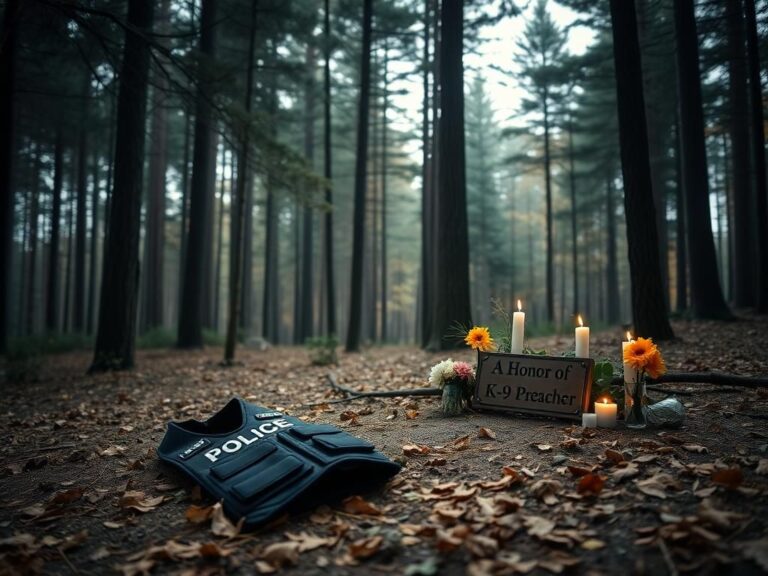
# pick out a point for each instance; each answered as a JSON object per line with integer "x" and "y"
{"x": 530, "y": 384}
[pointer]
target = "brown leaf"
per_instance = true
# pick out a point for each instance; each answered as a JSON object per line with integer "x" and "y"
{"x": 114, "y": 450}
{"x": 281, "y": 554}
{"x": 578, "y": 472}
{"x": 614, "y": 456}
{"x": 591, "y": 484}
{"x": 308, "y": 542}
{"x": 730, "y": 478}
{"x": 762, "y": 467}
{"x": 436, "y": 462}
{"x": 538, "y": 526}
{"x": 350, "y": 416}
{"x": 486, "y": 433}
{"x": 624, "y": 473}
{"x": 198, "y": 514}
{"x": 695, "y": 448}
{"x": 66, "y": 496}
{"x": 357, "y": 505}
{"x": 139, "y": 502}
{"x": 221, "y": 525}
{"x": 365, "y": 547}
{"x": 543, "y": 447}
{"x": 411, "y": 414}
{"x": 461, "y": 443}
{"x": 546, "y": 490}
{"x": 416, "y": 450}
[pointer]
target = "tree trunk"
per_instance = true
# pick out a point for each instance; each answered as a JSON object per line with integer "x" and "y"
{"x": 550, "y": 248}
{"x": 92, "y": 264}
{"x": 743, "y": 206}
{"x": 67, "y": 318}
{"x": 330, "y": 279}
{"x": 193, "y": 290}
{"x": 649, "y": 310}
{"x": 10, "y": 42}
{"x": 358, "y": 221}
{"x": 307, "y": 313}
{"x": 574, "y": 214}
{"x": 246, "y": 298}
{"x": 115, "y": 339}
{"x": 33, "y": 234}
{"x": 52, "y": 289}
{"x": 82, "y": 196}
{"x": 271, "y": 306}
{"x": 682, "y": 251}
{"x": 219, "y": 241}
{"x": 384, "y": 296}
{"x": 235, "y": 277}
{"x": 154, "y": 243}
{"x": 706, "y": 295}
{"x": 452, "y": 297}
{"x": 425, "y": 295}
{"x": 612, "y": 268}
{"x": 184, "y": 229}
{"x": 758, "y": 154}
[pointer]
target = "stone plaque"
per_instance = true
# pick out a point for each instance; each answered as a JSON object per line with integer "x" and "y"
{"x": 530, "y": 384}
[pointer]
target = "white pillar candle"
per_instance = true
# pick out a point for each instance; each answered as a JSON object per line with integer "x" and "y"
{"x": 606, "y": 413}
{"x": 630, "y": 374}
{"x": 588, "y": 420}
{"x": 582, "y": 340}
{"x": 518, "y": 330}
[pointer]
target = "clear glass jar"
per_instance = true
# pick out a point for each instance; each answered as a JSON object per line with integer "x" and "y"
{"x": 635, "y": 401}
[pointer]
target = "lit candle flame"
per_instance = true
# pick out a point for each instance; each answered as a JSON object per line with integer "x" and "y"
{"x": 605, "y": 400}
{"x": 629, "y": 336}
{"x": 581, "y": 322}
{"x": 519, "y": 305}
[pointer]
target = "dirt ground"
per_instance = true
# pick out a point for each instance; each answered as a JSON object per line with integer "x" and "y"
{"x": 83, "y": 492}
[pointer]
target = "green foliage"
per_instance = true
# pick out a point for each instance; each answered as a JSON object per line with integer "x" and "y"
{"x": 24, "y": 354}
{"x": 156, "y": 338}
{"x": 602, "y": 378}
{"x": 322, "y": 350}
{"x": 213, "y": 338}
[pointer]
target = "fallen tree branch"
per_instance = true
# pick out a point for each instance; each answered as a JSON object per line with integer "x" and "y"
{"x": 715, "y": 378}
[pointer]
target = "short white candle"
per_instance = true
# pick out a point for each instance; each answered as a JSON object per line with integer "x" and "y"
{"x": 588, "y": 420}
{"x": 582, "y": 340}
{"x": 630, "y": 374}
{"x": 606, "y": 413}
{"x": 518, "y": 330}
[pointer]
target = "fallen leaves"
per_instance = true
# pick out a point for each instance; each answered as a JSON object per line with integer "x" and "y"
{"x": 357, "y": 505}
{"x": 730, "y": 478}
{"x": 591, "y": 484}
{"x": 138, "y": 501}
{"x": 484, "y": 432}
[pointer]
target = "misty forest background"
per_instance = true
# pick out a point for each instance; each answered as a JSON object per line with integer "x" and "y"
{"x": 184, "y": 172}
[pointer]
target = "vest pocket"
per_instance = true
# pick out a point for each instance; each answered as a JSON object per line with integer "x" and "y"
{"x": 245, "y": 459}
{"x": 283, "y": 471}
{"x": 342, "y": 442}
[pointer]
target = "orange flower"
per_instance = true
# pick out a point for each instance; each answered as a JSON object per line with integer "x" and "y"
{"x": 479, "y": 338}
{"x": 639, "y": 353}
{"x": 656, "y": 366}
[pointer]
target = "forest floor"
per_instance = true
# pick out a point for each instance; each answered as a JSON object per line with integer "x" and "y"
{"x": 82, "y": 490}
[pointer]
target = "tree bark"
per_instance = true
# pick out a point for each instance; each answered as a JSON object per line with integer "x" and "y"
{"x": 574, "y": 214}
{"x": 92, "y": 264}
{"x": 34, "y": 211}
{"x": 384, "y": 158}
{"x": 612, "y": 268}
{"x": 706, "y": 295}
{"x": 682, "y": 251}
{"x": 550, "y": 248}
{"x": 115, "y": 339}
{"x": 10, "y": 36}
{"x": 307, "y": 253}
{"x": 219, "y": 241}
{"x": 271, "y": 305}
{"x": 744, "y": 284}
{"x": 82, "y": 195}
{"x": 649, "y": 310}
{"x": 425, "y": 295}
{"x": 451, "y": 294}
{"x": 235, "y": 277}
{"x": 330, "y": 278}
{"x": 193, "y": 296}
{"x": 154, "y": 243}
{"x": 758, "y": 153}
{"x": 358, "y": 221}
{"x": 52, "y": 289}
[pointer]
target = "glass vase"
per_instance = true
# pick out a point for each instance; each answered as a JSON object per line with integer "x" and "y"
{"x": 635, "y": 401}
{"x": 453, "y": 398}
